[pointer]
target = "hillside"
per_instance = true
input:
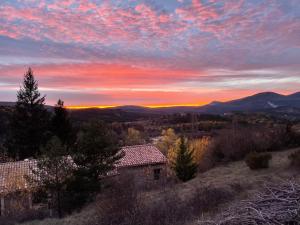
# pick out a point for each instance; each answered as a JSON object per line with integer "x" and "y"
{"x": 214, "y": 191}
{"x": 10, "y": 104}
{"x": 268, "y": 102}
{"x": 261, "y": 102}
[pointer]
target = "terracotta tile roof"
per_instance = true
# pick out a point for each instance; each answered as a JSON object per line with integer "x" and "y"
{"x": 139, "y": 155}
{"x": 12, "y": 175}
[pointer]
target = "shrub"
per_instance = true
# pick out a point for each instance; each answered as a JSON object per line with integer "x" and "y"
{"x": 209, "y": 198}
{"x": 295, "y": 159}
{"x": 258, "y": 160}
{"x": 168, "y": 141}
{"x": 202, "y": 148}
{"x": 125, "y": 205}
{"x": 235, "y": 143}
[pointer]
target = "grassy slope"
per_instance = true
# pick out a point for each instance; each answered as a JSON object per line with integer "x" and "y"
{"x": 235, "y": 177}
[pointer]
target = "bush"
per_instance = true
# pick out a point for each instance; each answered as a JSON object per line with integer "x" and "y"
{"x": 125, "y": 205}
{"x": 258, "y": 160}
{"x": 234, "y": 144}
{"x": 209, "y": 198}
{"x": 203, "y": 156}
{"x": 295, "y": 159}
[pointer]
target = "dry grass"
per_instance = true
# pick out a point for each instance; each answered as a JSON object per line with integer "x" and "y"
{"x": 235, "y": 180}
{"x": 278, "y": 204}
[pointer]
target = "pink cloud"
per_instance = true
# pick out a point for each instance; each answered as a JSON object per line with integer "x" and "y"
{"x": 144, "y": 46}
{"x": 89, "y": 23}
{"x": 101, "y": 75}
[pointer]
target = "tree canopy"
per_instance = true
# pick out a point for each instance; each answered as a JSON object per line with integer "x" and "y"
{"x": 53, "y": 173}
{"x": 95, "y": 155}
{"x": 29, "y": 121}
{"x": 184, "y": 165}
{"x": 61, "y": 125}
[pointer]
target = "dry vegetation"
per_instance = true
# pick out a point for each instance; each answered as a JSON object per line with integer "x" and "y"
{"x": 277, "y": 204}
{"x": 203, "y": 198}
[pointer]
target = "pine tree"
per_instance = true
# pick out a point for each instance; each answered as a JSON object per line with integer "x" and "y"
{"x": 29, "y": 122}
{"x": 60, "y": 123}
{"x": 96, "y": 153}
{"x": 184, "y": 165}
{"x": 53, "y": 172}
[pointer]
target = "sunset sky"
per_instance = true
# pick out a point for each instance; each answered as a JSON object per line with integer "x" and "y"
{"x": 150, "y": 52}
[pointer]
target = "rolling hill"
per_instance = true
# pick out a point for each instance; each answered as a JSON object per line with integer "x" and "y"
{"x": 266, "y": 101}
{"x": 262, "y": 102}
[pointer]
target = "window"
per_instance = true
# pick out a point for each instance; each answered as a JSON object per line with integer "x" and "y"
{"x": 2, "y": 206}
{"x": 156, "y": 174}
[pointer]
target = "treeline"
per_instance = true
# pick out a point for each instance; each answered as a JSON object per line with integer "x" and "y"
{"x": 232, "y": 143}
{"x": 31, "y": 125}
{"x": 191, "y": 118}
{"x": 70, "y": 162}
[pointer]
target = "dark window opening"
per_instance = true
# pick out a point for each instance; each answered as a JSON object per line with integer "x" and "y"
{"x": 156, "y": 174}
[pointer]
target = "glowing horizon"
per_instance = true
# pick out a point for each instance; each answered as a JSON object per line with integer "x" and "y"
{"x": 147, "y": 106}
{"x": 150, "y": 52}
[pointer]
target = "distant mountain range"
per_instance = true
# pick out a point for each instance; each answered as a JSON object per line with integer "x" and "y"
{"x": 7, "y": 103}
{"x": 261, "y": 102}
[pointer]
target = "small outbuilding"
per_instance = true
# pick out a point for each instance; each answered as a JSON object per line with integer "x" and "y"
{"x": 14, "y": 190}
{"x": 145, "y": 164}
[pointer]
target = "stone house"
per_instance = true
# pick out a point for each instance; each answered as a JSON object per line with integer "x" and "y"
{"x": 145, "y": 164}
{"x": 14, "y": 192}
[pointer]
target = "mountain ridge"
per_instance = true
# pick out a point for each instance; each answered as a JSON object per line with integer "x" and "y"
{"x": 263, "y": 101}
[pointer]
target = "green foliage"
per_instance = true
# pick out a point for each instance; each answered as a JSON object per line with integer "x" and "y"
{"x": 3, "y": 155}
{"x": 295, "y": 159}
{"x": 53, "y": 172}
{"x": 29, "y": 121}
{"x": 184, "y": 165}
{"x": 96, "y": 153}
{"x": 60, "y": 123}
{"x": 256, "y": 160}
{"x": 74, "y": 178}
{"x": 5, "y": 112}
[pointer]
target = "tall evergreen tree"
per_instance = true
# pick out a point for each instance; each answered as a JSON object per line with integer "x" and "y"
{"x": 61, "y": 126}
{"x": 184, "y": 165}
{"x": 29, "y": 122}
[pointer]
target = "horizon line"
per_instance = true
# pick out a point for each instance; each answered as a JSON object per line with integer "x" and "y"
{"x": 74, "y": 107}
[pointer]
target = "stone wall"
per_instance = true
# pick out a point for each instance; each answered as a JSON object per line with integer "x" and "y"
{"x": 15, "y": 203}
{"x": 144, "y": 176}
